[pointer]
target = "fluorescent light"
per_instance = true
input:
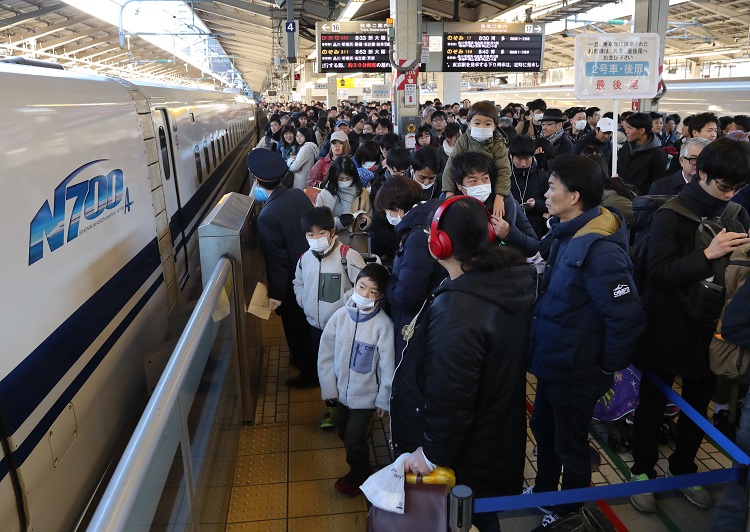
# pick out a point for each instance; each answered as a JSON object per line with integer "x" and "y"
{"x": 350, "y": 10}
{"x": 730, "y": 51}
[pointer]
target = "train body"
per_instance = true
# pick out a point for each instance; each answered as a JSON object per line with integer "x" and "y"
{"x": 685, "y": 97}
{"x": 106, "y": 182}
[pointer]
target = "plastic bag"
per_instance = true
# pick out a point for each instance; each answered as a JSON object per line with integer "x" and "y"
{"x": 385, "y": 489}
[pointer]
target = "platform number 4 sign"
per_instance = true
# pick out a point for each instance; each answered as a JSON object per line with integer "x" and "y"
{"x": 291, "y": 27}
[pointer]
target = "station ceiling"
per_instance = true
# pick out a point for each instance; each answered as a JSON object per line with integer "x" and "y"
{"x": 250, "y": 31}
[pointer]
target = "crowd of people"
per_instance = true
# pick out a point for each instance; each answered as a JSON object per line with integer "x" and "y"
{"x": 500, "y": 245}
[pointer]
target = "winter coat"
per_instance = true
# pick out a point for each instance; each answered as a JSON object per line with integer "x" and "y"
{"x": 355, "y": 361}
{"x": 415, "y": 273}
{"x": 674, "y": 342}
{"x": 532, "y": 184}
{"x": 495, "y": 148}
{"x": 282, "y": 239}
{"x": 640, "y": 165}
{"x": 319, "y": 171}
{"x": 320, "y": 304}
{"x": 623, "y": 205}
{"x": 591, "y": 140}
{"x": 460, "y": 389}
{"x": 735, "y": 324}
{"x": 563, "y": 145}
{"x": 346, "y": 201}
{"x": 303, "y": 163}
{"x": 588, "y": 317}
{"x": 668, "y": 186}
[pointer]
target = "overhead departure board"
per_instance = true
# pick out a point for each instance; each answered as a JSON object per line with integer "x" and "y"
{"x": 492, "y": 47}
{"x": 353, "y": 47}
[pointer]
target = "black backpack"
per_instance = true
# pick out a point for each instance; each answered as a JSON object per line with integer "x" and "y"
{"x": 703, "y": 300}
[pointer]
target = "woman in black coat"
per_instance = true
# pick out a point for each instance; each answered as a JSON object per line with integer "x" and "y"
{"x": 447, "y": 408}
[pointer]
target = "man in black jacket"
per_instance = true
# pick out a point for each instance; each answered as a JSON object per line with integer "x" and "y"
{"x": 283, "y": 242}
{"x": 640, "y": 161}
{"x": 676, "y": 343}
{"x": 672, "y": 184}
{"x": 601, "y": 139}
{"x": 552, "y": 130}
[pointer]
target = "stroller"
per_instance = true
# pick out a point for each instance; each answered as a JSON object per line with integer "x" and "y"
{"x": 616, "y": 409}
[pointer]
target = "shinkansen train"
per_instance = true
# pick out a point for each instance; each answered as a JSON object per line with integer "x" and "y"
{"x": 105, "y": 184}
{"x": 685, "y": 97}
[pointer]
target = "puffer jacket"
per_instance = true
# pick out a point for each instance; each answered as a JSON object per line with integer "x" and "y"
{"x": 588, "y": 317}
{"x": 495, "y": 148}
{"x": 446, "y": 395}
{"x": 415, "y": 273}
{"x": 303, "y": 163}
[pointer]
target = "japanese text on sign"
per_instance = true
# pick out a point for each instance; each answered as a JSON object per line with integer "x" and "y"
{"x": 346, "y": 46}
{"x": 616, "y": 65}
{"x": 488, "y": 47}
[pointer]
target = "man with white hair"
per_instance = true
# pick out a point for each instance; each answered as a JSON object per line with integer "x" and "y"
{"x": 672, "y": 184}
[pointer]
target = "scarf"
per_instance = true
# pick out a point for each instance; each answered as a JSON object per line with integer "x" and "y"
{"x": 555, "y": 136}
{"x": 447, "y": 148}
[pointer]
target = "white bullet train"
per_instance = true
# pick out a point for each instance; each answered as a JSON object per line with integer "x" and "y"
{"x": 685, "y": 97}
{"x": 105, "y": 184}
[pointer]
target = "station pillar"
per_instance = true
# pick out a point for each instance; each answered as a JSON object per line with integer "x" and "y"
{"x": 332, "y": 91}
{"x": 449, "y": 88}
{"x": 650, "y": 16}
{"x": 406, "y": 38}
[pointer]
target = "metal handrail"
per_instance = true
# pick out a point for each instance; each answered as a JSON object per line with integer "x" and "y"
{"x": 119, "y": 499}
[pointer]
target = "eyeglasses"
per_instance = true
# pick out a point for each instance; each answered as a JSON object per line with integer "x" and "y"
{"x": 728, "y": 188}
{"x": 547, "y": 124}
{"x": 692, "y": 159}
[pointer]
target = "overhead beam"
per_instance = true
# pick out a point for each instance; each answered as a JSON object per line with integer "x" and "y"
{"x": 55, "y": 43}
{"x": 43, "y": 32}
{"x": 18, "y": 19}
{"x": 216, "y": 10}
{"x": 715, "y": 7}
{"x": 246, "y": 6}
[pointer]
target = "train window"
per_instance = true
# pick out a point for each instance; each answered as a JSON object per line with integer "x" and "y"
{"x": 213, "y": 152}
{"x": 164, "y": 152}
{"x": 198, "y": 165}
{"x": 208, "y": 159}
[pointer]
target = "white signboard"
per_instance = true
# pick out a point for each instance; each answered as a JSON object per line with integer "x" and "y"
{"x": 381, "y": 92}
{"x": 425, "y": 49}
{"x": 410, "y": 95}
{"x": 320, "y": 86}
{"x": 610, "y": 66}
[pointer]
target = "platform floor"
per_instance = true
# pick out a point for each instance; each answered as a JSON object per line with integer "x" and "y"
{"x": 286, "y": 466}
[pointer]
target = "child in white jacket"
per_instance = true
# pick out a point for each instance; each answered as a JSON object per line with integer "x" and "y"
{"x": 355, "y": 367}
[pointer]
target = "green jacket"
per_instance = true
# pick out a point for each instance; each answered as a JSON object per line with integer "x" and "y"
{"x": 496, "y": 149}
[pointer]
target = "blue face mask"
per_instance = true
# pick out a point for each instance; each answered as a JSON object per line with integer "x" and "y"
{"x": 261, "y": 194}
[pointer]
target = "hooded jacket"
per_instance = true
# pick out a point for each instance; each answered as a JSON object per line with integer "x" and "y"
{"x": 527, "y": 184}
{"x": 496, "y": 149}
{"x": 640, "y": 165}
{"x": 415, "y": 273}
{"x": 674, "y": 343}
{"x": 588, "y": 317}
{"x": 446, "y": 395}
{"x": 355, "y": 361}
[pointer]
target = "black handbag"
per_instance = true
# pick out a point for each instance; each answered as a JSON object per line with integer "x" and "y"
{"x": 425, "y": 508}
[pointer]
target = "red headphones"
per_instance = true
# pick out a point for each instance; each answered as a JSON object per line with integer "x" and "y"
{"x": 439, "y": 241}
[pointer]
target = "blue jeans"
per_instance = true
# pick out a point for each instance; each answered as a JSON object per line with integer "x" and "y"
{"x": 560, "y": 423}
{"x": 731, "y": 512}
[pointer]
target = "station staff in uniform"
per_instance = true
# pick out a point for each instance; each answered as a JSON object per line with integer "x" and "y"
{"x": 283, "y": 242}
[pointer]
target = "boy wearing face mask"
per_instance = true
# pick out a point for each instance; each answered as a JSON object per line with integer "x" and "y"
{"x": 322, "y": 280}
{"x": 355, "y": 368}
{"x": 483, "y": 137}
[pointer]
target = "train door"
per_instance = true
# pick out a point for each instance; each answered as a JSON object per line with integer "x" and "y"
{"x": 172, "y": 194}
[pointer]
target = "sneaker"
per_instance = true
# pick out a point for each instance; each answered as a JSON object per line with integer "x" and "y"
{"x": 329, "y": 419}
{"x": 643, "y": 502}
{"x": 696, "y": 495}
{"x": 546, "y": 509}
{"x": 343, "y": 481}
{"x": 547, "y": 520}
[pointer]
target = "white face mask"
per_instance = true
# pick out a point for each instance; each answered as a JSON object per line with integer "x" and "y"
{"x": 362, "y": 301}
{"x": 369, "y": 164}
{"x": 426, "y": 187}
{"x": 393, "y": 220}
{"x": 480, "y": 192}
{"x": 580, "y": 124}
{"x": 482, "y": 133}
{"x": 538, "y": 117}
{"x": 318, "y": 244}
{"x": 345, "y": 184}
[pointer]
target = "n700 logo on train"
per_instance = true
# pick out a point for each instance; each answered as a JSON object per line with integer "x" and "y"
{"x": 92, "y": 199}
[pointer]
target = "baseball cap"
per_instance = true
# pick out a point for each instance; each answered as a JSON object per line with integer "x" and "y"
{"x": 340, "y": 136}
{"x": 607, "y": 125}
{"x": 340, "y": 122}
